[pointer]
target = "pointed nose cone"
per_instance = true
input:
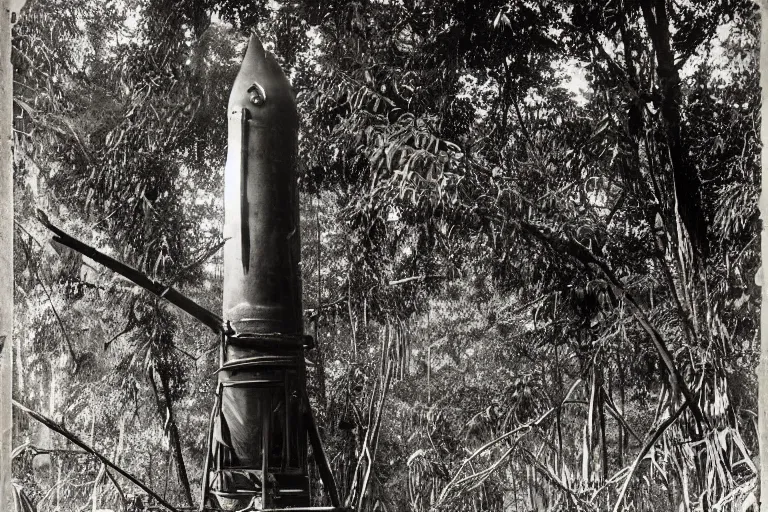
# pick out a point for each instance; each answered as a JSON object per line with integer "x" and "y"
{"x": 262, "y": 87}
{"x": 262, "y": 280}
{"x": 255, "y": 58}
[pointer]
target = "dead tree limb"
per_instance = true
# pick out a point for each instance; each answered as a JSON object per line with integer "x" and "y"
{"x": 168, "y": 293}
{"x": 102, "y": 458}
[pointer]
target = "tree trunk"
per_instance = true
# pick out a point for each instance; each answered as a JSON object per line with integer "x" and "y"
{"x": 762, "y": 373}
{"x": 686, "y": 180}
{"x": 173, "y": 434}
{"x": 181, "y": 468}
{"x": 6, "y": 256}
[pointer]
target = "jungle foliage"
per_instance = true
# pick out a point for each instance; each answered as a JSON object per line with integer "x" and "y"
{"x": 525, "y": 297}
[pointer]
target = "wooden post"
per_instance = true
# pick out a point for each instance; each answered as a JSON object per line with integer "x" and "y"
{"x": 6, "y": 255}
{"x": 762, "y": 370}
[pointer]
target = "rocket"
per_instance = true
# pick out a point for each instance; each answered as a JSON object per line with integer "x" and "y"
{"x": 261, "y": 423}
{"x": 263, "y": 374}
{"x": 262, "y": 285}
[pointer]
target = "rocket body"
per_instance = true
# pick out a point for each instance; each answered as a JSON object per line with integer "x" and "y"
{"x": 259, "y": 439}
{"x": 262, "y": 285}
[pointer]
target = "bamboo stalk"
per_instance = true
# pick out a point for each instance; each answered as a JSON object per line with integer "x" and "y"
{"x": 644, "y": 451}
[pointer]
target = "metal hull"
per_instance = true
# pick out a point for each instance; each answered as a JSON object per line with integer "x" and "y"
{"x": 259, "y": 446}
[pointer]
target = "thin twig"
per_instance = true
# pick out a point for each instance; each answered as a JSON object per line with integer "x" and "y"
{"x": 21, "y": 227}
{"x": 207, "y": 253}
{"x": 455, "y": 480}
{"x": 415, "y": 278}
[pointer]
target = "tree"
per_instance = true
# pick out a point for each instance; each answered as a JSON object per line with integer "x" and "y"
{"x": 126, "y": 159}
{"x": 6, "y": 256}
{"x": 762, "y": 369}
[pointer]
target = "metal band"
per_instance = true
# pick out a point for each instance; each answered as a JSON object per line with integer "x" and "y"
{"x": 267, "y": 383}
{"x": 273, "y": 341}
{"x": 261, "y": 361}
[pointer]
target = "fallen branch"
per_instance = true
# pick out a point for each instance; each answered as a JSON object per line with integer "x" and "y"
{"x": 104, "y": 460}
{"x": 212, "y": 320}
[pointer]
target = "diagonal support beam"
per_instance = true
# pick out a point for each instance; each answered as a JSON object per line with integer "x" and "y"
{"x": 181, "y": 301}
{"x": 320, "y": 457}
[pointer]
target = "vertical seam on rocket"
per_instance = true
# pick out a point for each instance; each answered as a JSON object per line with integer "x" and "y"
{"x": 245, "y": 232}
